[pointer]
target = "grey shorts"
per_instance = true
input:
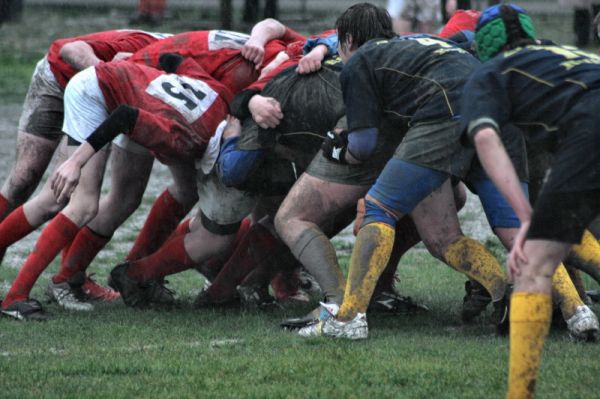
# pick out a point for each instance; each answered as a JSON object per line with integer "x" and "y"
{"x": 436, "y": 146}
{"x": 43, "y": 110}
{"x": 223, "y": 205}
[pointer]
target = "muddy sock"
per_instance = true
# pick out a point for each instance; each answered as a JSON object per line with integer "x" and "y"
{"x": 165, "y": 215}
{"x": 14, "y": 228}
{"x": 406, "y": 237}
{"x": 585, "y": 256}
{"x": 370, "y": 256}
{"x": 530, "y": 315}
{"x": 564, "y": 292}
{"x": 171, "y": 258}
{"x": 316, "y": 253}
{"x": 60, "y": 231}
{"x": 256, "y": 245}
{"x": 80, "y": 254}
{"x": 5, "y": 207}
{"x": 473, "y": 259}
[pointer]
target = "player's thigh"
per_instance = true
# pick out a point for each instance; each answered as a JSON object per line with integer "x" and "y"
{"x": 317, "y": 201}
{"x": 436, "y": 219}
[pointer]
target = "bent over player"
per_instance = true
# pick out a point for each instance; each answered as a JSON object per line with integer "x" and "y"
{"x": 171, "y": 115}
{"x": 536, "y": 85}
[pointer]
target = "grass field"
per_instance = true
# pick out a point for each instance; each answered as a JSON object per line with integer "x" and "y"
{"x": 118, "y": 352}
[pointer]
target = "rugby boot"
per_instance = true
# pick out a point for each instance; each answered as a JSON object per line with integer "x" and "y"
{"x": 475, "y": 301}
{"x": 500, "y": 316}
{"x": 256, "y": 298}
{"x": 392, "y": 302}
{"x": 94, "y": 291}
{"x": 314, "y": 329}
{"x": 27, "y": 310}
{"x": 356, "y": 328}
{"x": 583, "y": 325}
{"x": 68, "y": 296}
{"x": 132, "y": 293}
{"x": 157, "y": 293}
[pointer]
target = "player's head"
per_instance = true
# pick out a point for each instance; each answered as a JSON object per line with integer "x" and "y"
{"x": 502, "y": 27}
{"x": 361, "y": 23}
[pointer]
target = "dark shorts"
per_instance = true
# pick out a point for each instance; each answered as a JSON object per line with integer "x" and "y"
{"x": 436, "y": 146}
{"x": 43, "y": 109}
{"x": 563, "y": 216}
{"x": 570, "y": 196}
{"x": 364, "y": 174}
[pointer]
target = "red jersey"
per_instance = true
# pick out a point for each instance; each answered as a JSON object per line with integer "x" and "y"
{"x": 461, "y": 20}
{"x": 105, "y": 45}
{"x": 179, "y": 113}
{"x": 218, "y": 52}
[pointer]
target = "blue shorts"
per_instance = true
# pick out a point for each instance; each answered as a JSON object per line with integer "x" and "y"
{"x": 498, "y": 211}
{"x": 402, "y": 185}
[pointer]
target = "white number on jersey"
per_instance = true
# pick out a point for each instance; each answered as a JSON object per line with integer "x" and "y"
{"x": 190, "y": 97}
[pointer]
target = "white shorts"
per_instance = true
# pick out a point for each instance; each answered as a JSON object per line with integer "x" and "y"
{"x": 85, "y": 110}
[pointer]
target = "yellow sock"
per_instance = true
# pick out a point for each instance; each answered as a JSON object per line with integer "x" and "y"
{"x": 477, "y": 262}
{"x": 370, "y": 256}
{"x": 565, "y": 293}
{"x": 530, "y": 315}
{"x": 586, "y": 255}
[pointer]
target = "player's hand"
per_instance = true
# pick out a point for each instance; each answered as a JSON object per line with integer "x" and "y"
{"x": 517, "y": 257}
{"x": 121, "y": 55}
{"x": 254, "y": 51}
{"x": 233, "y": 127}
{"x": 64, "y": 180}
{"x": 335, "y": 145}
{"x": 310, "y": 63}
{"x": 266, "y": 111}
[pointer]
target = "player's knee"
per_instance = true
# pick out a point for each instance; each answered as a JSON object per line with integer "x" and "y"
{"x": 437, "y": 240}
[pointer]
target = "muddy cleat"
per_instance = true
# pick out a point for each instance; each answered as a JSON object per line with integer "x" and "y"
{"x": 132, "y": 293}
{"x": 28, "y": 310}
{"x": 583, "y": 325}
{"x": 251, "y": 297}
{"x": 475, "y": 301}
{"x": 391, "y": 302}
{"x": 308, "y": 282}
{"x": 96, "y": 292}
{"x": 158, "y": 293}
{"x": 314, "y": 329}
{"x": 500, "y": 316}
{"x": 356, "y": 328}
{"x": 67, "y": 296}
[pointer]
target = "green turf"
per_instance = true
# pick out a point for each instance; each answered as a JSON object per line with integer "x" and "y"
{"x": 118, "y": 352}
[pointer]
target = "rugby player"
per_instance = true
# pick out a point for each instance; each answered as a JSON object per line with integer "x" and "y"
{"x": 171, "y": 115}
{"x": 541, "y": 85}
{"x": 39, "y": 132}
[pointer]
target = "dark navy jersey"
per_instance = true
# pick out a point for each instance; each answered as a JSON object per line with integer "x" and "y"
{"x": 532, "y": 86}
{"x": 410, "y": 79}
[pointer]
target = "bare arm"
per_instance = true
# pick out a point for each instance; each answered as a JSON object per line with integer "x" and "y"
{"x": 79, "y": 55}
{"x": 263, "y": 32}
{"x": 66, "y": 177}
{"x": 311, "y": 62}
{"x": 500, "y": 169}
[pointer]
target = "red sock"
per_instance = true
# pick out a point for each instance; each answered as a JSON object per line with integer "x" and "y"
{"x": 5, "y": 207}
{"x": 284, "y": 276}
{"x": 211, "y": 267}
{"x": 54, "y": 237}
{"x": 14, "y": 227}
{"x": 182, "y": 228}
{"x": 406, "y": 238}
{"x": 171, "y": 258}
{"x": 80, "y": 254}
{"x": 165, "y": 215}
{"x": 257, "y": 244}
